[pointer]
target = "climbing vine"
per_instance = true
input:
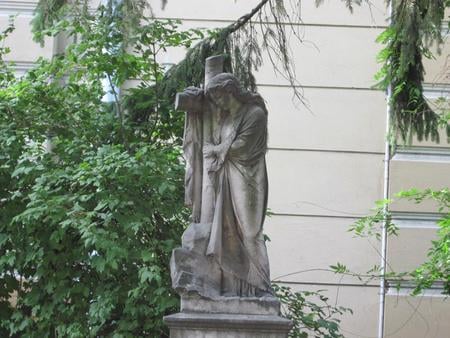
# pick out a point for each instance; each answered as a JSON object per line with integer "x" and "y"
{"x": 436, "y": 268}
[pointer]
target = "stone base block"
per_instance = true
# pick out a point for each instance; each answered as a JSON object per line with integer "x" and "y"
{"x": 216, "y": 325}
{"x": 231, "y": 305}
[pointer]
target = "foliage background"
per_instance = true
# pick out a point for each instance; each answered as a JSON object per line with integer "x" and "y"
{"x": 92, "y": 202}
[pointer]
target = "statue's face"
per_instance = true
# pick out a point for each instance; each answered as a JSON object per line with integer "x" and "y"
{"x": 222, "y": 99}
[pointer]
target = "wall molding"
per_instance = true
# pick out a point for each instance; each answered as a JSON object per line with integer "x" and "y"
{"x": 301, "y": 24}
{"x": 433, "y": 91}
{"x": 416, "y": 220}
{"x": 422, "y": 154}
{"x": 22, "y": 7}
{"x": 406, "y": 287}
{"x": 17, "y": 7}
{"x": 21, "y": 67}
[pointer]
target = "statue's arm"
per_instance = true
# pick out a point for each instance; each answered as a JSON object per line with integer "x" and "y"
{"x": 190, "y": 100}
{"x": 251, "y": 134}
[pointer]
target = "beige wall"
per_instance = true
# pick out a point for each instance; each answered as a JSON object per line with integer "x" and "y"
{"x": 420, "y": 165}
{"x": 325, "y": 163}
{"x": 362, "y": 301}
{"x": 24, "y": 51}
{"x": 422, "y": 316}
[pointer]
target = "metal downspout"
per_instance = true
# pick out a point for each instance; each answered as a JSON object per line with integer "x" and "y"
{"x": 384, "y": 234}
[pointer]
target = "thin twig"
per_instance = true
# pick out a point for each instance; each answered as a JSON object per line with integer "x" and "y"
{"x": 119, "y": 109}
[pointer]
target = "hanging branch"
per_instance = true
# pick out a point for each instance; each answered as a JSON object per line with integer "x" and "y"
{"x": 243, "y": 20}
{"x": 417, "y": 25}
{"x": 239, "y": 42}
{"x": 266, "y": 28}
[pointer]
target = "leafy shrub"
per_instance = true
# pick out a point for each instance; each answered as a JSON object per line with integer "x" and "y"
{"x": 311, "y": 313}
{"x": 92, "y": 203}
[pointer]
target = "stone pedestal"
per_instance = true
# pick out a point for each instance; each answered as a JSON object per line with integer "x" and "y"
{"x": 228, "y": 317}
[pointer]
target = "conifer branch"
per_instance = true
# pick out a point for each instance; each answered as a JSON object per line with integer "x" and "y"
{"x": 243, "y": 20}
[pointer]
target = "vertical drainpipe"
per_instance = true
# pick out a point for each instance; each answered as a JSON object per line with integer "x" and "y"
{"x": 384, "y": 234}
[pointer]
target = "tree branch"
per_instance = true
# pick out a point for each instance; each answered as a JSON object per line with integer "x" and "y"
{"x": 245, "y": 18}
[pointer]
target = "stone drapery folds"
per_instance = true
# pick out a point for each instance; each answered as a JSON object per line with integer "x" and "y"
{"x": 223, "y": 253}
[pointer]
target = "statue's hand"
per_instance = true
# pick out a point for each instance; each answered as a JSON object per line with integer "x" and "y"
{"x": 212, "y": 162}
{"x": 193, "y": 91}
{"x": 216, "y": 153}
{"x": 209, "y": 150}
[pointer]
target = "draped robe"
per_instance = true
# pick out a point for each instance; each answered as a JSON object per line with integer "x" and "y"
{"x": 239, "y": 203}
{"x": 236, "y": 240}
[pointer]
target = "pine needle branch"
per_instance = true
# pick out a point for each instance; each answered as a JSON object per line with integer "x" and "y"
{"x": 243, "y": 20}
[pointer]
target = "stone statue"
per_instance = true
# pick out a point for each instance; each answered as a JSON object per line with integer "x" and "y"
{"x": 223, "y": 253}
{"x": 222, "y": 270}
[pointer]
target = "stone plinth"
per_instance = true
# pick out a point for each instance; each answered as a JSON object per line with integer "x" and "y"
{"x": 216, "y": 325}
{"x": 228, "y": 317}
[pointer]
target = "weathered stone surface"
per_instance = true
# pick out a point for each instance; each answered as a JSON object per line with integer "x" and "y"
{"x": 225, "y": 142}
{"x": 194, "y": 273}
{"x": 195, "y": 237}
{"x": 191, "y": 270}
{"x": 269, "y": 306}
{"x": 198, "y": 325}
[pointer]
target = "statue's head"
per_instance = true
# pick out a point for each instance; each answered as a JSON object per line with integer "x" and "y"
{"x": 225, "y": 91}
